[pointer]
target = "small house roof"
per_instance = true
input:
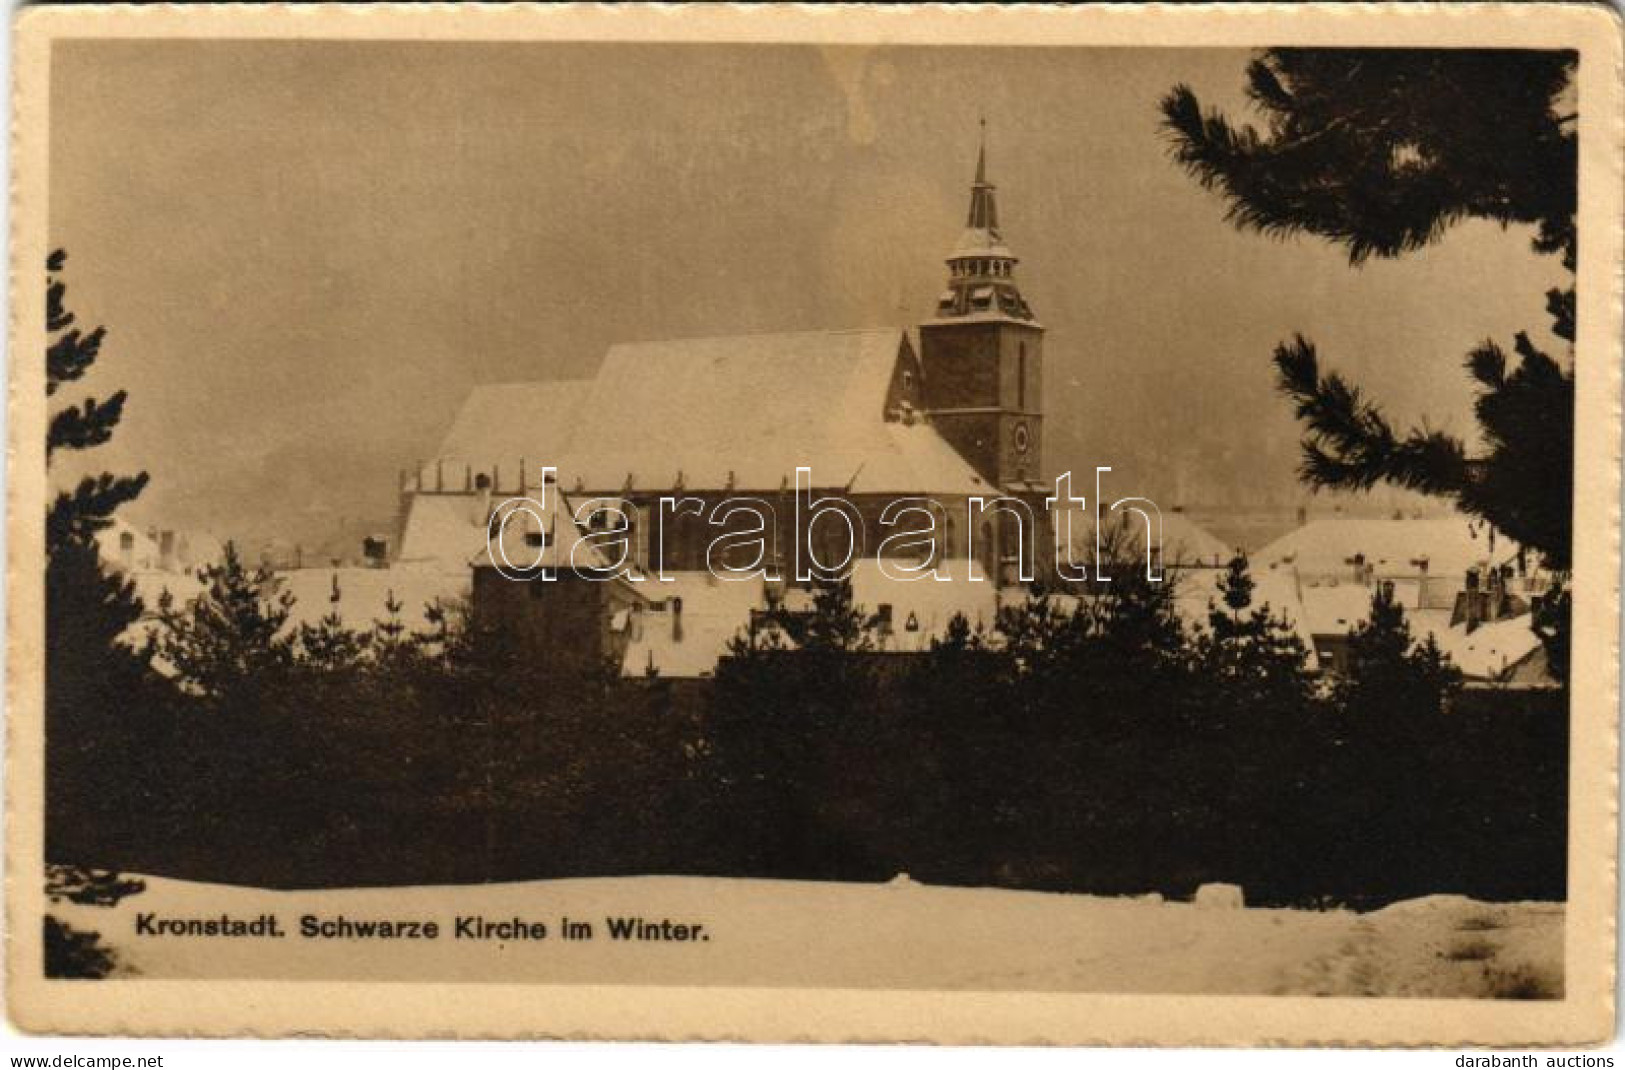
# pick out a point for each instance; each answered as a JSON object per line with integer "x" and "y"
{"x": 444, "y": 529}
{"x": 364, "y": 594}
{"x": 1487, "y": 652}
{"x": 715, "y": 611}
{"x": 1197, "y": 595}
{"x": 1184, "y": 542}
{"x": 143, "y": 552}
{"x": 1450, "y": 544}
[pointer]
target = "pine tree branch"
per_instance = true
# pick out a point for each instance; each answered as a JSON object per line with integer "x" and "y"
{"x": 83, "y": 426}
{"x": 89, "y": 507}
{"x": 1381, "y": 151}
{"x": 1560, "y": 306}
{"x": 1350, "y": 444}
{"x": 1488, "y": 365}
{"x": 69, "y": 356}
{"x": 57, "y": 317}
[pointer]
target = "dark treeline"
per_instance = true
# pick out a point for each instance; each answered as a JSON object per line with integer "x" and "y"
{"x": 1087, "y": 742}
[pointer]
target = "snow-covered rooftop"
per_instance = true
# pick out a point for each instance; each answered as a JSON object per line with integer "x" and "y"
{"x": 1486, "y": 652}
{"x": 444, "y": 529}
{"x": 745, "y": 412}
{"x": 502, "y": 424}
{"x": 1197, "y": 593}
{"x": 361, "y": 596}
{"x": 123, "y": 545}
{"x": 740, "y": 413}
{"x": 715, "y": 611}
{"x": 1327, "y": 546}
{"x": 1184, "y": 542}
{"x": 689, "y": 643}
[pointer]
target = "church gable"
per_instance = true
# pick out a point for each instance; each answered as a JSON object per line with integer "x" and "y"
{"x": 905, "y": 394}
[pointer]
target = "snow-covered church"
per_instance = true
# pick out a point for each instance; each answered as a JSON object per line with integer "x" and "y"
{"x": 948, "y": 412}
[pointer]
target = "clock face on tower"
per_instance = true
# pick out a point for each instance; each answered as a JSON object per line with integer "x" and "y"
{"x": 1023, "y": 438}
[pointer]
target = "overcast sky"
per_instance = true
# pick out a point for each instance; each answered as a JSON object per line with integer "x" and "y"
{"x": 306, "y": 253}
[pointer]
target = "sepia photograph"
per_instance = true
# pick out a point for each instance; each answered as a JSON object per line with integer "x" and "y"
{"x": 773, "y": 510}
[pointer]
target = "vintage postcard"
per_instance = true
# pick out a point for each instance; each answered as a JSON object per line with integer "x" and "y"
{"x": 1010, "y": 525}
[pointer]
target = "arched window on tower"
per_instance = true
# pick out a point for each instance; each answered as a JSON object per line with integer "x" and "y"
{"x": 1021, "y": 376}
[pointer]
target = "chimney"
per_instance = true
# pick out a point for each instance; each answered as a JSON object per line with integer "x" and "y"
{"x": 1303, "y": 516}
{"x": 479, "y": 513}
{"x": 1474, "y": 597}
{"x": 166, "y": 550}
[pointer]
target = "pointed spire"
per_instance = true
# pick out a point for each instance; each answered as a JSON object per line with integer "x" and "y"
{"x": 981, "y": 266}
{"x": 984, "y": 210}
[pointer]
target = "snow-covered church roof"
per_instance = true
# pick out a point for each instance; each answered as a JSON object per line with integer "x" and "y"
{"x": 739, "y": 413}
{"x": 745, "y": 411}
{"x": 501, "y": 424}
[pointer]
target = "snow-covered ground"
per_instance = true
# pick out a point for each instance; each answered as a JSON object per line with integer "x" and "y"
{"x": 898, "y": 935}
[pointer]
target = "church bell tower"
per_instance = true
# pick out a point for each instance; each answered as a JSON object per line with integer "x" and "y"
{"x": 983, "y": 354}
